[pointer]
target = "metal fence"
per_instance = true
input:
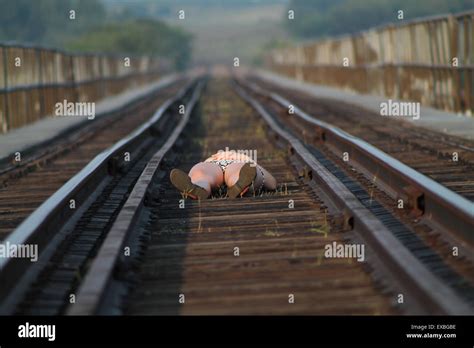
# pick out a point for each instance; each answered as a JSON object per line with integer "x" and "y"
{"x": 33, "y": 79}
{"x": 430, "y": 60}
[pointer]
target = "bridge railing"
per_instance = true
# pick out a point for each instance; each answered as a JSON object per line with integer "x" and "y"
{"x": 430, "y": 60}
{"x": 33, "y": 79}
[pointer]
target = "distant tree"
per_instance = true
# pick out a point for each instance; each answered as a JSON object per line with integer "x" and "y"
{"x": 141, "y": 37}
{"x": 318, "y": 18}
{"x": 47, "y": 21}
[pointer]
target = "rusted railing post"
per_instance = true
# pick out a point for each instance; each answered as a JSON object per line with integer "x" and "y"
{"x": 5, "y": 90}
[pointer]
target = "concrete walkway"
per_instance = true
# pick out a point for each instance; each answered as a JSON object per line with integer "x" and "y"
{"x": 441, "y": 121}
{"x": 33, "y": 134}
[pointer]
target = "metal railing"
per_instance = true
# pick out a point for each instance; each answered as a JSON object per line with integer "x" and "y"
{"x": 429, "y": 60}
{"x": 33, "y": 79}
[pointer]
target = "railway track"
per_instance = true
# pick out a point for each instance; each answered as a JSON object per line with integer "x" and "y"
{"x": 136, "y": 247}
{"x": 446, "y": 159}
{"x": 67, "y": 235}
{"x": 430, "y": 152}
{"x": 25, "y": 185}
{"x": 191, "y": 251}
{"x": 402, "y": 182}
{"x": 434, "y": 218}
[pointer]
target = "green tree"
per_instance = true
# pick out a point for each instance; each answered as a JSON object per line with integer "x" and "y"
{"x": 141, "y": 37}
{"x": 47, "y": 21}
{"x": 318, "y": 18}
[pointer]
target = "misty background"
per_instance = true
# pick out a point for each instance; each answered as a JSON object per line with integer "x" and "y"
{"x": 213, "y": 31}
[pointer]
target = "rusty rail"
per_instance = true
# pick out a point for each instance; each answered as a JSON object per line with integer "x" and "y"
{"x": 448, "y": 209}
{"x": 95, "y": 283}
{"x": 41, "y": 227}
{"x": 415, "y": 276}
{"x": 429, "y": 60}
{"x": 33, "y": 79}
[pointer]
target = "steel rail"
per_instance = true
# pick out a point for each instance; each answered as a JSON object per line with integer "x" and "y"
{"x": 97, "y": 278}
{"x": 41, "y": 226}
{"x": 434, "y": 296}
{"x": 437, "y": 203}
